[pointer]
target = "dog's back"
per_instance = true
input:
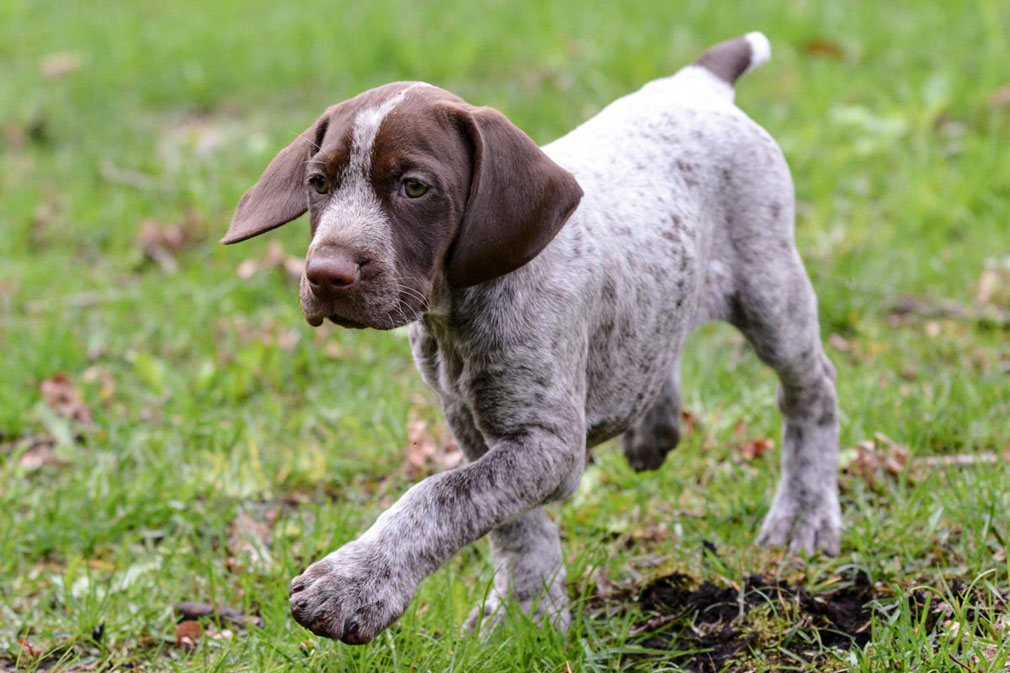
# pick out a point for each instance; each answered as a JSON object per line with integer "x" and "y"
{"x": 678, "y": 183}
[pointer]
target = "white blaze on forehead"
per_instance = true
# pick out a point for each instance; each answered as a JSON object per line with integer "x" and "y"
{"x": 354, "y": 216}
{"x": 366, "y": 128}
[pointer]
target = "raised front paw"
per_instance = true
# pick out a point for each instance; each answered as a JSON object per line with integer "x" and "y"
{"x": 352, "y": 594}
{"x": 804, "y": 527}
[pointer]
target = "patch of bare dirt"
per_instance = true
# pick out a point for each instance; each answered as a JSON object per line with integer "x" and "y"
{"x": 710, "y": 623}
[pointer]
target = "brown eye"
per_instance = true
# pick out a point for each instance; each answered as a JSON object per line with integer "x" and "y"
{"x": 318, "y": 183}
{"x": 413, "y": 189}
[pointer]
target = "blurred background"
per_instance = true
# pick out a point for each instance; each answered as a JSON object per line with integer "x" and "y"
{"x": 171, "y": 429}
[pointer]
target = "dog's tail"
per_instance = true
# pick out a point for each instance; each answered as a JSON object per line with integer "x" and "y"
{"x": 732, "y": 58}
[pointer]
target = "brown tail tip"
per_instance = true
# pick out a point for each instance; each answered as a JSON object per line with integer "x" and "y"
{"x": 732, "y": 58}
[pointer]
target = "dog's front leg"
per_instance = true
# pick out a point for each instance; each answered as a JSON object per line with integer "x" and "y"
{"x": 364, "y": 586}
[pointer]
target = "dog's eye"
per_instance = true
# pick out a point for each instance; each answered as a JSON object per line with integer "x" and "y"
{"x": 413, "y": 189}
{"x": 318, "y": 183}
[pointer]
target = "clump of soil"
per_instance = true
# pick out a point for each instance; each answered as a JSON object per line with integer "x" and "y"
{"x": 709, "y": 624}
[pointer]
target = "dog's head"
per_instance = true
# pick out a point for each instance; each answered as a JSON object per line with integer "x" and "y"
{"x": 407, "y": 187}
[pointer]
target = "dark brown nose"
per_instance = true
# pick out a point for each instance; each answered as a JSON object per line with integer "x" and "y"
{"x": 331, "y": 273}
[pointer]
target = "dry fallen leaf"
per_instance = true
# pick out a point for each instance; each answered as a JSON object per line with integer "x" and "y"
{"x": 249, "y": 539}
{"x": 878, "y": 458}
{"x": 755, "y": 448}
{"x": 822, "y": 48}
{"x": 60, "y": 395}
{"x": 190, "y": 610}
{"x": 59, "y": 65}
{"x": 688, "y": 423}
{"x": 103, "y": 377}
{"x": 1000, "y": 98}
{"x": 426, "y": 453}
{"x": 187, "y": 634}
{"x": 288, "y": 339}
{"x": 162, "y": 241}
{"x": 987, "y": 284}
{"x": 839, "y": 343}
{"x": 29, "y": 649}
{"x": 273, "y": 258}
{"x": 40, "y": 453}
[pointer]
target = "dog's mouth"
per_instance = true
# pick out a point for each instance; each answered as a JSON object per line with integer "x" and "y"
{"x": 344, "y": 322}
{"x": 316, "y": 319}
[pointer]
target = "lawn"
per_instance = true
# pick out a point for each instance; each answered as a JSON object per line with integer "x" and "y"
{"x": 171, "y": 430}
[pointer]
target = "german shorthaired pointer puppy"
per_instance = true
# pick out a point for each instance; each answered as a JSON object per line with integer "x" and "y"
{"x": 549, "y": 292}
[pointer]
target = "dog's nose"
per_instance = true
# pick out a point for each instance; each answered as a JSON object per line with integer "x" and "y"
{"x": 332, "y": 273}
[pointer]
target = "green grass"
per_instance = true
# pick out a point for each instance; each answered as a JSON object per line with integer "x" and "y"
{"x": 213, "y": 402}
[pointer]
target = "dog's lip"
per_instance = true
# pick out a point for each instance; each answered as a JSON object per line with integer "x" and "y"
{"x": 316, "y": 319}
{"x": 345, "y": 322}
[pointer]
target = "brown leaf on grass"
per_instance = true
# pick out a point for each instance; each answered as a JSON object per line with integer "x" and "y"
{"x": 128, "y": 177}
{"x": 427, "y": 453}
{"x": 273, "y": 258}
{"x": 36, "y": 451}
{"x": 823, "y": 48}
{"x": 689, "y": 423}
{"x": 103, "y": 377}
{"x": 42, "y": 219}
{"x": 992, "y": 290}
{"x": 61, "y": 64}
{"x": 249, "y": 539}
{"x": 1000, "y": 98}
{"x": 61, "y": 395}
{"x": 748, "y": 447}
{"x": 247, "y": 268}
{"x": 839, "y": 343}
{"x": 28, "y": 649}
{"x": 987, "y": 284}
{"x": 877, "y": 459}
{"x": 40, "y": 453}
{"x": 162, "y": 241}
{"x": 190, "y": 610}
{"x": 187, "y": 634}
{"x": 288, "y": 339}
{"x": 755, "y": 448}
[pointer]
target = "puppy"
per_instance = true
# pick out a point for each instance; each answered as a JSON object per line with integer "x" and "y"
{"x": 548, "y": 293}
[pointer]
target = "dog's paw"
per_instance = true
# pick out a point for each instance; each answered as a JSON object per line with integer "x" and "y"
{"x": 805, "y": 528}
{"x": 351, "y": 595}
{"x": 546, "y": 609}
{"x": 646, "y": 448}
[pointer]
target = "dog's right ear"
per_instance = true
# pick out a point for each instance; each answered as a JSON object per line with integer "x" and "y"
{"x": 279, "y": 196}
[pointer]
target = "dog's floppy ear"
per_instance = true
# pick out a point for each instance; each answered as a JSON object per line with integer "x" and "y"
{"x": 518, "y": 200}
{"x": 279, "y": 195}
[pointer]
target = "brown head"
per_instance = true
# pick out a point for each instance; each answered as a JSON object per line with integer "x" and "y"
{"x": 407, "y": 188}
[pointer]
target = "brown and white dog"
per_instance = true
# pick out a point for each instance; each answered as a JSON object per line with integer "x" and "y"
{"x": 549, "y": 292}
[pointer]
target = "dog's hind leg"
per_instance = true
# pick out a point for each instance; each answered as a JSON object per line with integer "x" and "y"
{"x": 780, "y": 320}
{"x": 657, "y": 432}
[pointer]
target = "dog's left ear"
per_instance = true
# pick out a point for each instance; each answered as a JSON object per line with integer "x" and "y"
{"x": 279, "y": 196}
{"x": 518, "y": 200}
